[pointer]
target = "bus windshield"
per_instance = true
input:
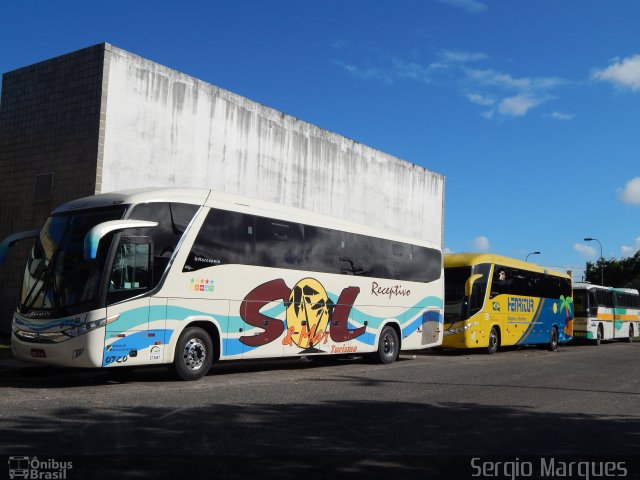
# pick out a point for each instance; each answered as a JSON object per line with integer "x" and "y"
{"x": 57, "y": 276}
{"x": 458, "y": 306}
{"x": 580, "y": 302}
{"x": 455, "y": 301}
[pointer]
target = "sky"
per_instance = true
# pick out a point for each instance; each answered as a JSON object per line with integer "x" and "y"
{"x": 530, "y": 109}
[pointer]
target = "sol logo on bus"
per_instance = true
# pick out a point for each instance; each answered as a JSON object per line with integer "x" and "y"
{"x": 309, "y": 311}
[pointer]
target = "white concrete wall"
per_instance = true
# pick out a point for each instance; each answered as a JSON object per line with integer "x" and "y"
{"x": 164, "y": 128}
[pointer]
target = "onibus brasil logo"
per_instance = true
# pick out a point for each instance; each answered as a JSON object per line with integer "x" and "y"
{"x": 34, "y": 468}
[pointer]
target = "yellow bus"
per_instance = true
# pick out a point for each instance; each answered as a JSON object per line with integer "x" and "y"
{"x": 493, "y": 301}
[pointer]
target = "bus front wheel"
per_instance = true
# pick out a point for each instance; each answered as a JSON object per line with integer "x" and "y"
{"x": 553, "y": 341}
{"x": 194, "y": 354}
{"x": 494, "y": 341}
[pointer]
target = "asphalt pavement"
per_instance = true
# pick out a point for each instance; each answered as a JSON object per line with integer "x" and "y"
{"x": 429, "y": 415}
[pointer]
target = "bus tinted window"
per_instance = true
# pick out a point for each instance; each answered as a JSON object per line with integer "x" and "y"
{"x": 278, "y": 244}
{"x": 605, "y": 298}
{"x": 236, "y": 238}
{"x": 518, "y": 282}
{"x": 479, "y": 289}
{"x": 224, "y": 238}
{"x": 324, "y": 249}
{"x": 173, "y": 219}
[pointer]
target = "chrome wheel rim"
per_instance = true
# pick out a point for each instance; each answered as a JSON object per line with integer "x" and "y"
{"x": 194, "y": 354}
{"x": 388, "y": 345}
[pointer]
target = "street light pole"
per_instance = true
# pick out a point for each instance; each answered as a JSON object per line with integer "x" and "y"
{"x": 589, "y": 239}
{"x": 532, "y": 253}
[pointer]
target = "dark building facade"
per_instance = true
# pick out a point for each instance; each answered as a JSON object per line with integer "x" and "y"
{"x": 50, "y": 146}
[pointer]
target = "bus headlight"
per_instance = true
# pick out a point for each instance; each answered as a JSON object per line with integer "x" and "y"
{"x": 89, "y": 326}
{"x": 463, "y": 328}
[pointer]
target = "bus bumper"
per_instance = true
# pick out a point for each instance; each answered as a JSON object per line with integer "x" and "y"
{"x": 463, "y": 335}
{"x": 84, "y": 351}
{"x": 583, "y": 334}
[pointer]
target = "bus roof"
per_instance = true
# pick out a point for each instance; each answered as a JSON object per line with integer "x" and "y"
{"x": 468, "y": 259}
{"x": 195, "y": 196}
{"x": 239, "y": 203}
{"x": 587, "y": 286}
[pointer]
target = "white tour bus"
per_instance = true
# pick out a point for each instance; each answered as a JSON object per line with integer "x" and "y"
{"x": 605, "y": 313}
{"x": 189, "y": 276}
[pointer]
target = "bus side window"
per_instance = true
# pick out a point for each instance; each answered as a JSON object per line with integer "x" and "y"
{"x": 131, "y": 273}
{"x": 324, "y": 249}
{"x": 173, "y": 219}
{"x": 279, "y": 244}
{"x": 501, "y": 282}
{"x": 225, "y": 238}
{"x": 479, "y": 290}
{"x": 593, "y": 303}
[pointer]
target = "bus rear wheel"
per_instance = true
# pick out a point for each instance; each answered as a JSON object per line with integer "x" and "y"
{"x": 388, "y": 346}
{"x": 553, "y": 341}
{"x": 494, "y": 341}
{"x": 194, "y": 354}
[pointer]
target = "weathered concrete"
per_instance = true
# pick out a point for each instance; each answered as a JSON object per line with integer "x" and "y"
{"x": 166, "y": 128}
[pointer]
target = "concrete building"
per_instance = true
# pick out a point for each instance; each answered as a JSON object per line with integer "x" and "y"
{"x": 103, "y": 119}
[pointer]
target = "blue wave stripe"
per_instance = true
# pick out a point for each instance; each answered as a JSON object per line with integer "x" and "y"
{"x": 233, "y": 346}
{"x": 136, "y": 341}
{"x": 430, "y": 316}
{"x": 138, "y": 316}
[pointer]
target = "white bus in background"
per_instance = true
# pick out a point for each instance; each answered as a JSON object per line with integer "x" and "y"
{"x": 605, "y": 313}
{"x": 190, "y": 276}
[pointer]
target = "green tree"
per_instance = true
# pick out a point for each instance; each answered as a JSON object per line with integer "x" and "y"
{"x": 617, "y": 273}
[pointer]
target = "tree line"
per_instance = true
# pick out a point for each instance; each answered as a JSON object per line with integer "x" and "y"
{"x": 617, "y": 273}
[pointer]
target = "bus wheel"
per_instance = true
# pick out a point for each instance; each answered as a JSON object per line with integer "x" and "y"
{"x": 599, "y": 335}
{"x": 194, "y": 354}
{"x": 494, "y": 341}
{"x": 553, "y": 341}
{"x": 388, "y": 346}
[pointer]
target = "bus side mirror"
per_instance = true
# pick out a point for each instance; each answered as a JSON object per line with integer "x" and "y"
{"x": 11, "y": 240}
{"x": 93, "y": 236}
{"x": 468, "y": 286}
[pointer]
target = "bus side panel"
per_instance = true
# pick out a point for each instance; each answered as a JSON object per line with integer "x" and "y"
{"x": 521, "y": 321}
{"x": 267, "y": 312}
{"x": 549, "y": 314}
{"x": 626, "y": 319}
{"x": 210, "y": 315}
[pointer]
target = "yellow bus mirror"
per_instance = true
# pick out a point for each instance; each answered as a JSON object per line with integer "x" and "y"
{"x": 468, "y": 286}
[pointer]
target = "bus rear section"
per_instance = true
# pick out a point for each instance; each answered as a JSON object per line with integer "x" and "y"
{"x": 606, "y": 313}
{"x": 493, "y": 301}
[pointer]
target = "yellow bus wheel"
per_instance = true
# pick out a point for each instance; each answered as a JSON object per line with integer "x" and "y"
{"x": 494, "y": 341}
